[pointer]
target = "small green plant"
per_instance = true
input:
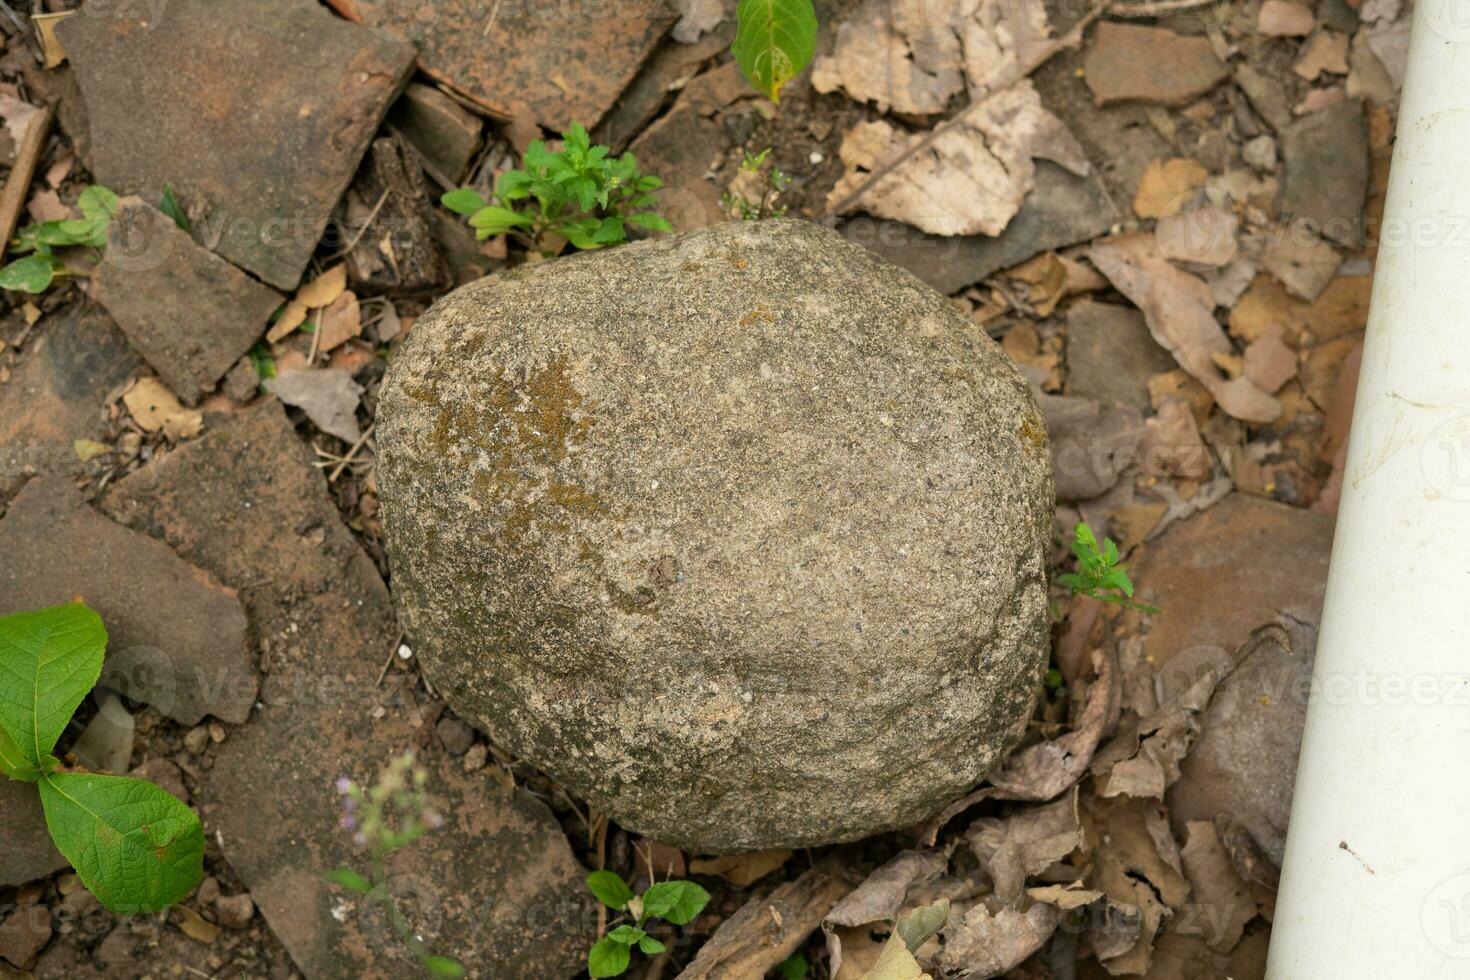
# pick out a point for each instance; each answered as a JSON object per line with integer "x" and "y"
{"x": 774, "y": 41}
{"x": 794, "y": 967}
{"x": 579, "y": 192}
{"x": 134, "y": 846}
{"x": 773, "y": 182}
{"x": 677, "y": 902}
{"x": 1098, "y": 575}
{"x": 36, "y": 272}
{"x": 384, "y": 818}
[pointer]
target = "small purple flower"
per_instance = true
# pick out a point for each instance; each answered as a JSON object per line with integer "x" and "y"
{"x": 434, "y": 820}
{"x": 349, "y": 804}
{"x": 344, "y": 785}
{"x": 349, "y": 822}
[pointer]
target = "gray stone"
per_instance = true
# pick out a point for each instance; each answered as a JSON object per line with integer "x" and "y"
{"x": 1326, "y": 182}
{"x": 1266, "y": 95}
{"x": 1062, "y": 209}
{"x": 188, "y": 311}
{"x": 28, "y": 853}
{"x": 256, "y": 115}
{"x": 1091, "y": 445}
{"x": 445, "y": 132}
{"x": 1150, "y": 64}
{"x": 739, "y": 534}
{"x": 1111, "y": 354}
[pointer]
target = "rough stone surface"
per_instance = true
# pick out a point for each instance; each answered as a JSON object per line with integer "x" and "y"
{"x": 255, "y": 114}
{"x": 498, "y": 880}
{"x": 445, "y": 132}
{"x": 566, "y": 62}
{"x": 1150, "y": 64}
{"x": 28, "y": 853}
{"x": 1062, "y": 209}
{"x": 1326, "y": 182}
{"x": 55, "y": 393}
{"x": 1111, "y": 354}
{"x": 186, "y": 310}
{"x": 739, "y": 533}
{"x": 1243, "y": 563}
{"x": 176, "y": 638}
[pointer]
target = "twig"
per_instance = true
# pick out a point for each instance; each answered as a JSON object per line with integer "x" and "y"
{"x": 1157, "y": 7}
{"x": 1067, "y": 40}
{"x": 342, "y": 464}
{"x": 14, "y": 17}
{"x": 372, "y": 215}
{"x": 392, "y": 652}
{"x": 316, "y": 337}
{"x": 27, "y": 155}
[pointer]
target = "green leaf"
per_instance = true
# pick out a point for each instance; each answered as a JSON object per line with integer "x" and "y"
{"x": 49, "y": 660}
{"x": 608, "y": 958}
{"x": 651, "y": 946}
{"x": 135, "y": 847}
{"x": 651, "y": 221}
{"x": 794, "y": 967}
{"x": 15, "y": 765}
{"x": 513, "y": 185}
{"x": 627, "y": 935}
{"x": 265, "y": 364}
{"x": 498, "y": 219}
{"x": 31, "y": 274}
{"x": 350, "y": 880}
{"x": 466, "y": 201}
{"x": 677, "y": 901}
{"x": 443, "y": 966}
{"x": 774, "y": 41}
{"x": 610, "y": 889}
{"x": 917, "y": 926}
{"x": 610, "y": 231}
{"x": 98, "y": 203}
{"x": 169, "y": 205}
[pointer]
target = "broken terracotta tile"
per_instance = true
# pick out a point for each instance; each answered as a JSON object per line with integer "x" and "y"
{"x": 1111, "y": 355}
{"x": 1062, "y": 209}
{"x": 1198, "y": 240}
{"x": 1090, "y": 444}
{"x": 258, "y": 116}
{"x": 185, "y": 309}
{"x": 1326, "y": 158}
{"x": 681, "y": 148}
{"x": 1268, "y": 362}
{"x": 568, "y": 64}
{"x": 1282, "y": 18}
{"x": 1303, "y": 263}
{"x": 445, "y": 132}
{"x": 56, "y": 391}
{"x": 1150, "y": 64}
{"x": 176, "y": 637}
{"x": 246, "y": 503}
{"x": 1324, "y": 51}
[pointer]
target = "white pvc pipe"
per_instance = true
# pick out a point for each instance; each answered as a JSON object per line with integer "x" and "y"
{"x": 1376, "y": 882}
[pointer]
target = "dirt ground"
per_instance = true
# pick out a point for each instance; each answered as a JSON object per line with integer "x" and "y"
{"x": 1181, "y": 270}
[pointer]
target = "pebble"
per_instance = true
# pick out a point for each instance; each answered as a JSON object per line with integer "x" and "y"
{"x": 234, "y": 911}
{"x": 197, "y": 739}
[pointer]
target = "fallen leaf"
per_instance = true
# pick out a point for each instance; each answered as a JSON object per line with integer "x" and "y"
{"x": 324, "y": 289}
{"x": 293, "y": 316}
{"x": 155, "y": 409}
{"x": 1179, "y": 310}
{"x": 1172, "y": 443}
{"x": 1220, "y": 900}
{"x": 1303, "y": 263}
{"x": 1323, "y": 51}
{"x": 1167, "y": 186}
{"x": 742, "y": 870}
{"x": 896, "y": 963}
{"x": 969, "y": 181}
{"x": 697, "y": 18}
{"x": 880, "y": 897}
{"x": 86, "y": 449}
{"x": 985, "y": 944}
{"x": 1091, "y": 445}
{"x": 45, "y": 205}
{"x": 193, "y": 925}
{"x": 52, "y": 53}
{"x": 1027, "y": 842}
{"x": 1064, "y": 897}
{"x": 329, "y": 398}
{"x": 1200, "y": 239}
{"x": 340, "y": 322}
{"x": 1268, "y": 362}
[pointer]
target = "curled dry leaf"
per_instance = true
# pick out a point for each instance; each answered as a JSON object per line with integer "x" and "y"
{"x": 1269, "y": 363}
{"x": 329, "y": 397}
{"x": 1027, "y": 842}
{"x": 1221, "y": 903}
{"x": 1136, "y": 866}
{"x": 324, "y": 289}
{"x": 1172, "y": 442}
{"x": 155, "y": 409}
{"x": 340, "y": 322}
{"x": 1064, "y": 897}
{"x": 972, "y": 179}
{"x": 985, "y": 944}
{"x": 742, "y": 870}
{"x": 880, "y": 897}
{"x": 1179, "y": 309}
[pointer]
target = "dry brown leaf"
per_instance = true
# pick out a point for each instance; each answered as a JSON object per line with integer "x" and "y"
{"x": 1268, "y": 362}
{"x": 1179, "y": 310}
{"x": 329, "y": 398}
{"x": 895, "y": 962}
{"x": 193, "y": 925}
{"x": 1200, "y": 239}
{"x": 293, "y": 316}
{"x": 1064, "y": 897}
{"x": 1172, "y": 443}
{"x": 324, "y": 289}
{"x": 1323, "y": 51}
{"x": 880, "y": 897}
{"x": 155, "y": 409}
{"x": 1027, "y": 842}
{"x": 742, "y": 870}
{"x": 52, "y": 53}
{"x": 983, "y": 945}
{"x": 1167, "y": 186}
{"x": 1221, "y": 903}
{"x": 340, "y": 322}
{"x": 972, "y": 179}
{"x": 1304, "y": 264}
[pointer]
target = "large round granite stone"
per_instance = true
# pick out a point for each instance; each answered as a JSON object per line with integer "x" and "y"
{"x": 738, "y": 534}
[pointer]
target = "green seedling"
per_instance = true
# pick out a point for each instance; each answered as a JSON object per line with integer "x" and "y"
{"x": 1098, "y": 575}
{"x": 579, "y": 193}
{"x": 36, "y": 272}
{"x": 774, "y": 181}
{"x": 794, "y": 967}
{"x": 774, "y": 41}
{"x": 134, "y": 846}
{"x": 676, "y": 902}
{"x": 384, "y": 818}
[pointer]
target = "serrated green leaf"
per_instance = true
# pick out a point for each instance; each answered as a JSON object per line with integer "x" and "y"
{"x": 169, "y": 205}
{"x": 443, "y": 966}
{"x": 465, "y": 200}
{"x": 31, "y": 274}
{"x": 774, "y": 41}
{"x": 498, "y": 219}
{"x": 134, "y": 846}
{"x": 609, "y": 958}
{"x": 610, "y": 889}
{"x": 15, "y": 765}
{"x": 677, "y": 901}
{"x": 651, "y": 221}
{"x": 627, "y": 935}
{"x": 350, "y": 880}
{"x": 49, "y": 660}
{"x": 651, "y": 946}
